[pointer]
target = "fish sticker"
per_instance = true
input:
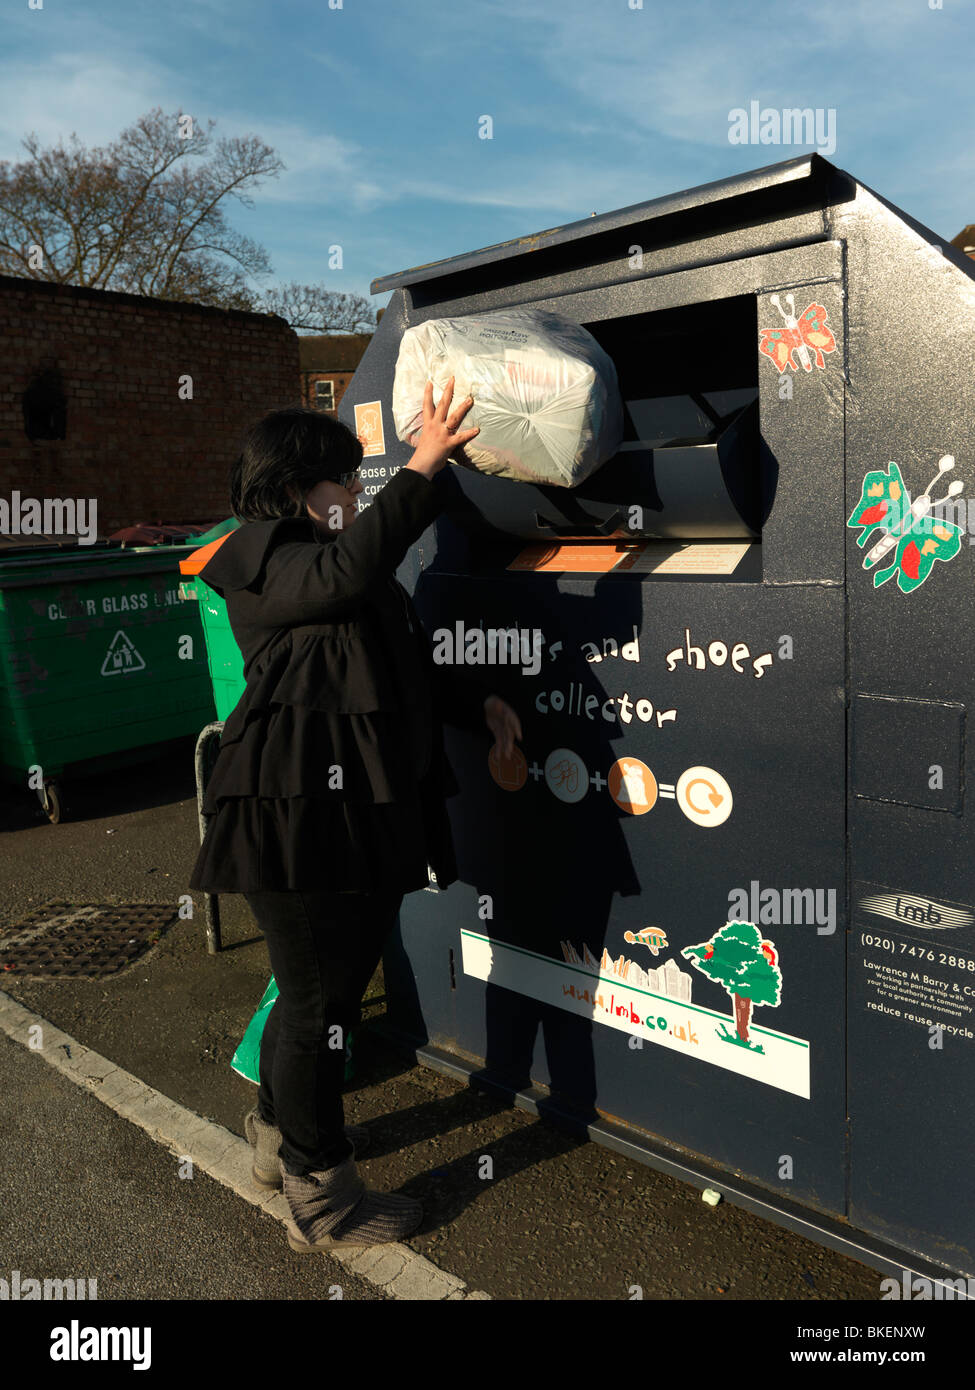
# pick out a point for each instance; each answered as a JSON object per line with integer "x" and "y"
{"x": 652, "y": 937}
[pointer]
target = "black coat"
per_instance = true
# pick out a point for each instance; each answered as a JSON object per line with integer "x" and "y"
{"x": 331, "y": 772}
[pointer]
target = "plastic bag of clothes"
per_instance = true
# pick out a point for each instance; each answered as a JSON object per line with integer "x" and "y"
{"x": 546, "y": 397}
{"x": 246, "y": 1061}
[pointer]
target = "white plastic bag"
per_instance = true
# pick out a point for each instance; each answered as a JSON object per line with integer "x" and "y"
{"x": 546, "y": 397}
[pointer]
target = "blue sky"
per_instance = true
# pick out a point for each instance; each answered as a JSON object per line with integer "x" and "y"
{"x": 374, "y": 106}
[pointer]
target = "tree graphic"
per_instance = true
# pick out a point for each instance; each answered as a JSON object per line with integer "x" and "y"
{"x": 738, "y": 958}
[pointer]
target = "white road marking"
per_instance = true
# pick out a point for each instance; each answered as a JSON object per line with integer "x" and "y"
{"x": 396, "y": 1269}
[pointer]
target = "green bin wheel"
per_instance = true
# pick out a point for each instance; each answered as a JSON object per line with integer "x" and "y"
{"x": 52, "y": 802}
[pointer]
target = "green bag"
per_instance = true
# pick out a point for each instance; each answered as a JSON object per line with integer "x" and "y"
{"x": 246, "y": 1061}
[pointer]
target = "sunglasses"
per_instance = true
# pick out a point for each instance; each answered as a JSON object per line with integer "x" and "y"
{"x": 346, "y": 479}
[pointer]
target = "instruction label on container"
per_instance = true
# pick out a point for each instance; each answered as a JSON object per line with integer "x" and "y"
{"x": 913, "y": 959}
{"x": 369, "y": 428}
{"x": 663, "y": 558}
{"x": 647, "y": 557}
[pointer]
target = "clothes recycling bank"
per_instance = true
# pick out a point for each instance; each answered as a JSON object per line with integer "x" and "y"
{"x": 746, "y": 691}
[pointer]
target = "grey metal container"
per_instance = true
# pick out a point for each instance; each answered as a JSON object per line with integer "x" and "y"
{"x": 745, "y": 647}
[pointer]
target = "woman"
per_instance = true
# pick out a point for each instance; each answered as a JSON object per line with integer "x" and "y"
{"x": 327, "y": 796}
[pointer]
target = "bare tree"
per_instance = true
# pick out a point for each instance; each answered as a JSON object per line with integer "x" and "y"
{"x": 138, "y": 216}
{"x": 319, "y": 310}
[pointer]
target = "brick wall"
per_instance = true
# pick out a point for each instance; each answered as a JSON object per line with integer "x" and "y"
{"x": 130, "y": 441}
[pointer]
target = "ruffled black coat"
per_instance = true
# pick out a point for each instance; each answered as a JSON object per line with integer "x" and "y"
{"x": 331, "y": 772}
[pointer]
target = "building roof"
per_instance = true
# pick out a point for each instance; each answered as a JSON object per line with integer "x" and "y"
{"x": 965, "y": 240}
{"x": 331, "y": 352}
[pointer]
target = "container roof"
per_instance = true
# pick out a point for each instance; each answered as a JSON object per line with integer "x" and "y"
{"x": 805, "y": 167}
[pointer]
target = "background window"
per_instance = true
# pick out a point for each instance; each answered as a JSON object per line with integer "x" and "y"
{"x": 44, "y": 406}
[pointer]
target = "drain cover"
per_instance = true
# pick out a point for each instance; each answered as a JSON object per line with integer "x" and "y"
{"x": 87, "y": 940}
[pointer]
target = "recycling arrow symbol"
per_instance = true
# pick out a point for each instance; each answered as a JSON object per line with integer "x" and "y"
{"x": 121, "y": 656}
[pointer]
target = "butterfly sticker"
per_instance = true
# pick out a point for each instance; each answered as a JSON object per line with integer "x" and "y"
{"x": 798, "y": 336}
{"x": 914, "y": 538}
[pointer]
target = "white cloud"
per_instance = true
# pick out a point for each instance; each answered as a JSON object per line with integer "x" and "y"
{"x": 80, "y": 91}
{"x": 658, "y": 71}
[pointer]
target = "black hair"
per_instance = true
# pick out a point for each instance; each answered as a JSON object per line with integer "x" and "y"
{"x": 297, "y": 446}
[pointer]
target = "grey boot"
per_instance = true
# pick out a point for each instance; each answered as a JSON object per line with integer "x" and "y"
{"x": 333, "y": 1207}
{"x": 266, "y": 1139}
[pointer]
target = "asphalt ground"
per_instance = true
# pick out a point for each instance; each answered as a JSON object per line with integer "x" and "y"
{"x": 560, "y": 1219}
{"x": 107, "y": 1203}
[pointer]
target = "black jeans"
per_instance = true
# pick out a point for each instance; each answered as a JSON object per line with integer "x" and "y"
{"x": 324, "y": 948}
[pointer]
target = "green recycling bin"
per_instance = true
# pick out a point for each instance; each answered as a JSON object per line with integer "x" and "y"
{"x": 99, "y": 660}
{"x": 226, "y": 664}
